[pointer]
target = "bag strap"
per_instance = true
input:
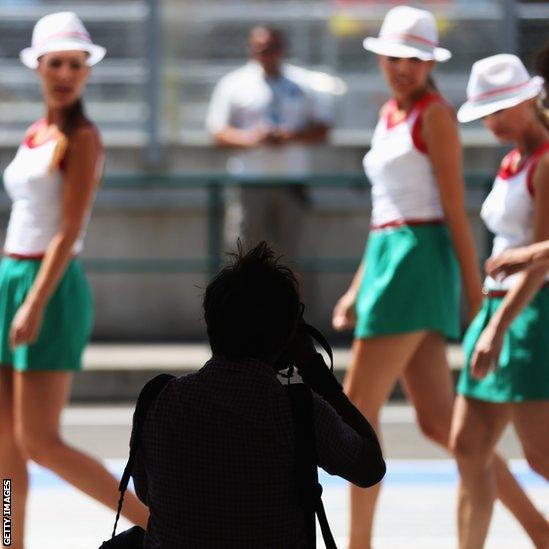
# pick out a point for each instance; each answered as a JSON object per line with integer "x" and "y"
{"x": 322, "y": 341}
{"x": 309, "y": 490}
{"x": 146, "y": 397}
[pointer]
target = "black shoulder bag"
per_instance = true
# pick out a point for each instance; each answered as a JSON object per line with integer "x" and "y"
{"x": 133, "y": 538}
{"x": 309, "y": 489}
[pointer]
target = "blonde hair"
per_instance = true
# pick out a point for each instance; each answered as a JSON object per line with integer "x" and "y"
{"x": 542, "y": 102}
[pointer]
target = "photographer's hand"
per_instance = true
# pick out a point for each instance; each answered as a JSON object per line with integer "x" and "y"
{"x": 301, "y": 348}
{"x": 311, "y": 366}
{"x": 316, "y": 375}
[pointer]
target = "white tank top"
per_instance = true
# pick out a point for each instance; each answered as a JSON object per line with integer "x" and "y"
{"x": 404, "y": 188}
{"x": 508, "y": 210}
{"x": 35, "y": 192}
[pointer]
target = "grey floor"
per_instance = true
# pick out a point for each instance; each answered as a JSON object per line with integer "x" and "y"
{"x": 417, "y": 505}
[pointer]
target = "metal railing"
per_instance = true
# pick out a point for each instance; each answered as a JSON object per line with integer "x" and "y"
{"x": 166, "y": 55}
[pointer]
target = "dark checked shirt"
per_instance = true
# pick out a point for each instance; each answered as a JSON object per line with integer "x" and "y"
{"x": 216, "y": 465}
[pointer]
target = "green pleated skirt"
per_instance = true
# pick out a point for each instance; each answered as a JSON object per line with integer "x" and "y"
{"x": 411, "y": 282}
{"x": 67, "y": 321}
{"x": 523, "y": 367}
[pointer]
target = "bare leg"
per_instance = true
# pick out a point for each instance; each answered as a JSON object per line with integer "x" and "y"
{"x": 429, "y": 385}
{"x": 511, "y": 494}
{"x": 530, "y": 420}
{"x": 476, "y": 429}
{"x": 39, "y": 400}
{"x": 12, "y": 462}
{"x": 376, "y": 365}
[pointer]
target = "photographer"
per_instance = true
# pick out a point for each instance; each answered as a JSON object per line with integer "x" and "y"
{"x": 216, "y": 463}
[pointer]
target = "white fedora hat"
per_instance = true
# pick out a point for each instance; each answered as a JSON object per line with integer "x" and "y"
{"x": 62, "y": 31}
{"x": 408, "y": 32}
{"x": 496, "y": 83}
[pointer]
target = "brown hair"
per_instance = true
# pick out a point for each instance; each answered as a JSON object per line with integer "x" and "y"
{"x": 73, "y": 116}
{"x": 431, "y": 82}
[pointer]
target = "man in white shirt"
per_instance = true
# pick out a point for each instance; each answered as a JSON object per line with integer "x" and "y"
{"x": 267, "y": 112}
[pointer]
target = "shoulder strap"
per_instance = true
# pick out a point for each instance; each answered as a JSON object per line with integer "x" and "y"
{"x": 309, "y": 490}
{"x": 416, "y": 114}
{"x": 322, "y": 341}
{"x": 146, "y": 397}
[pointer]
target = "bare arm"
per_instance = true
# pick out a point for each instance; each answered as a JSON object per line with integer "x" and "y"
{"x": 79, "y": 180}
{"x": 445, "y": 154}
{"x": 231, "y": 136}
{"x": 312, "y": 134}
{"x": 489, "y": 344}
{"x": 315, "y": 133}
{"x": 517, "y": 259}
{"x": 347, "y": 445}
{"x": 344, "y": 316}
{"x": 358, "y": 459}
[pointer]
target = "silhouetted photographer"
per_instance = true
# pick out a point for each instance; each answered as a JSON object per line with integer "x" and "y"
{"x": 222, "y": 460}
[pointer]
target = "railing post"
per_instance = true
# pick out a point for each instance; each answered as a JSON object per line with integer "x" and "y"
{"x": 154, "y": 111}
{"x": 510, "y": 24}
{"x": 215, "y": 214}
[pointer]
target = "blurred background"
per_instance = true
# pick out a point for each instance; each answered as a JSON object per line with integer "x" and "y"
{"x": 155, "y": 234}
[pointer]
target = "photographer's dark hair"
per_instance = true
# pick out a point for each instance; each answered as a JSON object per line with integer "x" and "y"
{"x": 252, "y": 306}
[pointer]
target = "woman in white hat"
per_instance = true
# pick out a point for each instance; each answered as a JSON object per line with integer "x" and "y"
{"x": 404, "y": 299}
{"x": 514, "y": 260}
{"x": 506, "y": 376}
{"x": 46, "y": 310}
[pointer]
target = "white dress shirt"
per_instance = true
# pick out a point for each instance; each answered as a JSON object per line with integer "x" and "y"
{"x": 247, "y": 98}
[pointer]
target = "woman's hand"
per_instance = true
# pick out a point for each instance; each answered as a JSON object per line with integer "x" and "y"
{"x": 26, "y": 324}
{"x": 344, "y": 315}
{"x": 486, "y": 353}
{"x": 508, "y": 262}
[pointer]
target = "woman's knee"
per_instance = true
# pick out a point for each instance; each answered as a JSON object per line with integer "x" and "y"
{"x": 359, "y": 395}
{"x": 475, "y": 431}
{"x": 470, "y": 447}
{"x": 434, "y": 429}
{"x": 37, "y": 446}
{"x": 9, "y": 443}
{"x": 367, "y": 408}
{"x": 8, "y": 437}
{"x": 6, "y": 406}
{"x": 7, "y": 431}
